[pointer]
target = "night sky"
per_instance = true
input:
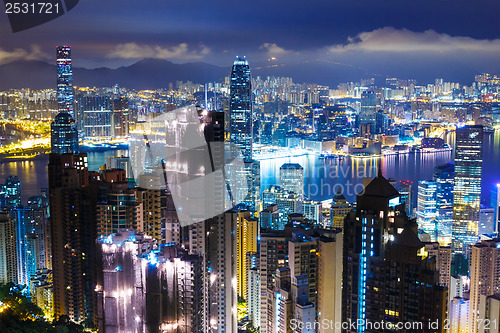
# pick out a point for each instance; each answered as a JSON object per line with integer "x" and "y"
{"x": 398, "y": 38}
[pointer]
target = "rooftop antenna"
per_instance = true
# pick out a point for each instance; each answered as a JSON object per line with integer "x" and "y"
{"x": 380, "y": 167}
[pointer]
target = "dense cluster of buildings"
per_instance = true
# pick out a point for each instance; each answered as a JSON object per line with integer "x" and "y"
{"x": 107, "y": 249}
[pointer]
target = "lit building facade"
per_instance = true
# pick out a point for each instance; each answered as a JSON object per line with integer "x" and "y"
{"x": 426, "y": 208}
{"x": 339, "y": 209}
{"x": 380, "y": 245}
{"x": 10, "y": 193}
{"x": 442, "y": 255}
{"x": 241, "y": 124}
{"x": 444, "y": 176}
{"x": 489, "y": 313}
{"x": 484, "y": 276}
{"x": 8, "y": 257}
{"x": 292, "y": 178}
{"x": 467, "y": 191}
{"x": 72, "y": 207}
{"x": 63, "y": 134}
{"x": 495, "y": 204}
{"x": 247, "y": 230}
{"x": 65, "y": 80}
{"x": 146, "y": 288}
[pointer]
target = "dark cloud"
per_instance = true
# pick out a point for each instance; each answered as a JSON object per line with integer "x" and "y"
{"x": 117, "y": 32}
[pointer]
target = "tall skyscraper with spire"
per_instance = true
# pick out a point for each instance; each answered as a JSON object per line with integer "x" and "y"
{"x": 241, "y": 130}
{"x": 241, "y": 108}
{"x": 65, "y": 80}
{"x": 63, "y": 130}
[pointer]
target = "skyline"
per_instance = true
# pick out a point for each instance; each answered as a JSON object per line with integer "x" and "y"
{"x": 344, "y": 171}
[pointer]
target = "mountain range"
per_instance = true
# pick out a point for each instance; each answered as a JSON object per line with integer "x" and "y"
{"x": 158, "y": 73}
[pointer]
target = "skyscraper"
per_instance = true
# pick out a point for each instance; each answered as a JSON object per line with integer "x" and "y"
{"x": 8, "y": 262}
{"x": 467, "y": 192}
{"x": 10, "y": 193}
{"x": 484, "y": 276}
{"x": 426, "y": 208}
{"x": 143, "y": 287}
{"x": 121, "y": 116}
{"x": 292, "y": 178}
{"x": 339, "y": 209}
{"x": 65, "y": 80}
{"x": 386, "y": 274}
{"x": 368, "y": 113}
{"x": 63, "y": 134}
{"x": 444, "y": 176}
{"x": 247, "y": 232}
{"x": 241, "y": 108}
{"x": 32, "y": 238}
{"x": 495, "y": 204}
{"x": 72, "y": 216}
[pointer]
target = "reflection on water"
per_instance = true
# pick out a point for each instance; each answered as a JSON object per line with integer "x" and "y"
{"x": 322, "y": 176}
{"x": 34, "y": 173}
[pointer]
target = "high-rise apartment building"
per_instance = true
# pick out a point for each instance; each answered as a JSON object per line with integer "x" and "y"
{"x": 442, "y": 256}
{"x": 73, "y": 228}
{"x": 489, "y": 313}
{"x": 386, "y": 273}
{"x": 484, "y": 276}
{"x": 304, "y": 259}
{"x": 118, "y": 208}
{"x": 467, "y": 190}
{"x": 247, "y": 230}
{"x": 269, "y": 218}
{"x": 8, "y": 257}
{"x": 339, "y": 209}
{"x": 143, "y": 287}
{"x": 32, "y": 238}
{"x": 287, "y": 203}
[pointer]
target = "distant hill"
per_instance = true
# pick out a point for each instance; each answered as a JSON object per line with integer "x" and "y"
{"x": 144, "y": 74}
{"x": 157, "y": 73}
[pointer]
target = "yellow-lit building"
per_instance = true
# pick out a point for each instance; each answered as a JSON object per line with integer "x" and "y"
{"x": 339, "y": 209}
{"x": 247, "y": 233}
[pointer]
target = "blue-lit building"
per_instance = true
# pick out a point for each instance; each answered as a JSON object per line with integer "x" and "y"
{"x": 10, "y": 192}
{"x": 240, "y": 105}
{"x": 386, "y": 275}
{"x": 426, "y": 208}
{"x": 467, "y": 191}
{"x": 31, "y": 238}
{"x": 64, "y": 134}
{"x": 444, "y": 176}
{"x": 495, "y": 204}
{"x": 65, "y": 80}
{"x": 367, "y": 113}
